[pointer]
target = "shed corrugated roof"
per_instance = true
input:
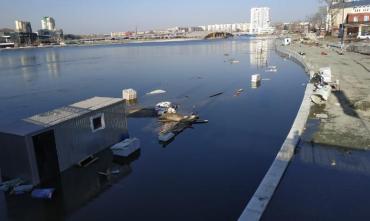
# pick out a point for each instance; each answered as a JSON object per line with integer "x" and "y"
{"x": 51, "y": 118}
{"x": 62, "y": 114}
{"x": 351, "y": 4}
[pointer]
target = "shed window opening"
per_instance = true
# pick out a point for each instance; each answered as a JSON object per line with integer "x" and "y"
{"x": 97, "y": 123}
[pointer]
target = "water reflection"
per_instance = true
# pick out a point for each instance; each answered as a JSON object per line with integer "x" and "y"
{"x": 340, "y": 159}
{"x": 52, "y": 61}
{"x": 3, "y": 210}
{"x": 190, "y": 78}
{"x": 74, "y": 189}
{"x": 255, "y": 85}
{"x": 26, "y": 65}
{"x": 258, "y": 53}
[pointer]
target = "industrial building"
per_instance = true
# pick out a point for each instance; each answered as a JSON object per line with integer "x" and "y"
{"x": 40, "y": 147}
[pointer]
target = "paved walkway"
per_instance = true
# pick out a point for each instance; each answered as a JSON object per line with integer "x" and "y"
{"x": 348, "y": 123}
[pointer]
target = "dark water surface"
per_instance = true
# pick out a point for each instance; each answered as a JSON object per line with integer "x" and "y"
{"x": 207, "y": 173}
{"x": 323, "y": 183}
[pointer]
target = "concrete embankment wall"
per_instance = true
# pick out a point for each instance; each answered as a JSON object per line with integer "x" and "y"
{"x": 264, "y": 193}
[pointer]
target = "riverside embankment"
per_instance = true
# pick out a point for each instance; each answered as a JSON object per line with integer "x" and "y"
{"x": 347, "y": 124}
{"x": 265, "y": 191}
{"x": 329, "y": 172}
{"x": 348, "y": 110}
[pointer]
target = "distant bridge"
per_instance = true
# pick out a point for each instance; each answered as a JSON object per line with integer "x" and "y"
{"x": 210, "y": 34}
{"x": 215, "y": 34}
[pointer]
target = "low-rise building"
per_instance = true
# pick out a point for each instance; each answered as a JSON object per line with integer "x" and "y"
{"x": 339, "y": 12}
{"x": 40, "y": 147}
{"x": 358, "y": 25}
{"x": 235, "y": 27}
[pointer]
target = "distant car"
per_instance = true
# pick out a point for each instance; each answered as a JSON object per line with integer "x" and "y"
{"x": 365, "y": 36}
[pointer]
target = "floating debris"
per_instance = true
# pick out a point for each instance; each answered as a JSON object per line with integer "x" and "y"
{"x": 46, "y": 193}
{"x": 226, "y": 54}
{"x": 333, "y": 163}
{"x": 266, "y": 79}
{"x": 126, "y": 147}
{"x": 256, "y": 78}
{"x": 10, "y": 184}
{"x": 171, "y": 117}
{"x": 87, "y": 161}
{"x": 201, "y": 122}
{"x": 155, "y": 92}
{"x": 115, "y": 172}
{"x": 271, "y": 69}
{"x": 215, "y": 95}
{"x": 166, "y": 137}
{"x": 174, "y": 124}
{"x": 238, "y": 92}
{"x": 232, "y": 61}
{"x": 22, "y": 189}
{"x": 129, "y": 94}
{"x": 165, "y": 107}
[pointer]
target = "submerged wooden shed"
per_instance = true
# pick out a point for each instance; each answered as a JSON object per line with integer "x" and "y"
{"x": 38, "y": 148}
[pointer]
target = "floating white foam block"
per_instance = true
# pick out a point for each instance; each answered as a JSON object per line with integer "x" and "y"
{"x": 256, "y": 78}
{"x": 129, "y": 94}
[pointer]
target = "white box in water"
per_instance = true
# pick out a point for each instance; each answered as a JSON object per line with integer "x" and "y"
{"x": 256, "y": 78}
{"x": 126, "y": 147}
{"x": 166, "y": 137}
{"x": 129, "y": 94}
{"x": 326, "y": 74}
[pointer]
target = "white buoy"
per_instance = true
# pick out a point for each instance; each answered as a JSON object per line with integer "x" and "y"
{"x": 129, "y": 94}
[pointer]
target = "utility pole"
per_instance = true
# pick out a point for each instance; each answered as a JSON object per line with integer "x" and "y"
{"x": 342, "y": 31}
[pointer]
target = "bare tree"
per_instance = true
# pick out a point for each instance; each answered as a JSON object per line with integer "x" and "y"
{"x": 319, "y": 18}
{"x": 326, "y": 11}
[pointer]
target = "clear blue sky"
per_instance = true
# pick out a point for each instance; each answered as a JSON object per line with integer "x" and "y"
{"x": 104, "y": 16}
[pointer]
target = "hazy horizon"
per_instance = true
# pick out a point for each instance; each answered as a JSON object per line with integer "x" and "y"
{"x": 94, "y": 16}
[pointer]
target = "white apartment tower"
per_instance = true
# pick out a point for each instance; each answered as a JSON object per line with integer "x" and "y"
{"x": 260, "y": 20}
{"x": 48, "y": 23}
{"x": 23, "y": 26}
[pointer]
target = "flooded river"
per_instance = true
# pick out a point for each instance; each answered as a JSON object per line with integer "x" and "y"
{"x": 209, "y": 172}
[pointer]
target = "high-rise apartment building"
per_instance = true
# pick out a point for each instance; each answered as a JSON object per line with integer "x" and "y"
{"x": 48, "y": 23}
{"x": 260, "y": 20}
{"x": 23, "y": 26}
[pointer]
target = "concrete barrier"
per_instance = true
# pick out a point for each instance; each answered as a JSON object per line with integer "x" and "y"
{"x": 264, "y": 193}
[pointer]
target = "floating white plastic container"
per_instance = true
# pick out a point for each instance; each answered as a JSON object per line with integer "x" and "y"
{"x": 166, "y": 137}
{"x": 126, "y": 147}
{"x": 256, "y": 78}
{"x": 129, "y": 94}
{"x": 165, "y": 107}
